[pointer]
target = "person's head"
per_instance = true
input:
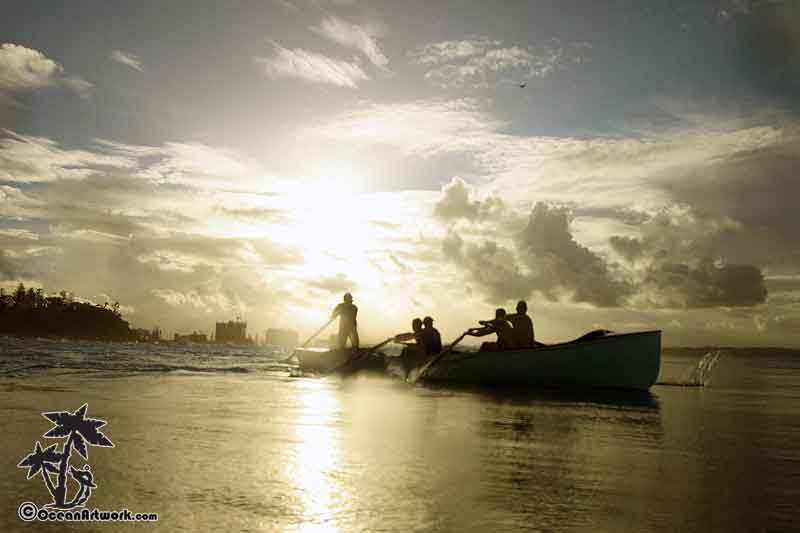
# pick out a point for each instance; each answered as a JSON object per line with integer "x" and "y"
{"x": 348, "y": 297}
{"x": 500, "y": 313}
{"x": 522, "y": 307}
{"x": 416, "y": 324}
{"x": 428, "y": 321}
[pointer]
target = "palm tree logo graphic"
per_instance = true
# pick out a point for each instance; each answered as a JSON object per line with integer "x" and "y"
{"x": 51, "y": 463}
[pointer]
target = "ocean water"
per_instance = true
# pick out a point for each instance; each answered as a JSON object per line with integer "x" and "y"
{"x": 217, "y": 438}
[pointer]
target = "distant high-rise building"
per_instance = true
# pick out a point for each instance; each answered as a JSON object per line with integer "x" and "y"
{"x": 284, "y": 338}
{"x": 233, "y": 331}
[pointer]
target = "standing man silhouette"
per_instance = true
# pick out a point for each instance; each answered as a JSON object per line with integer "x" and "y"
{"x": 348, "y": 327}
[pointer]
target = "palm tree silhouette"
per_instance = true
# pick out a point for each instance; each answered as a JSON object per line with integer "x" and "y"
{"x": 43, "y": 461}
{"x": 79, "y": 431}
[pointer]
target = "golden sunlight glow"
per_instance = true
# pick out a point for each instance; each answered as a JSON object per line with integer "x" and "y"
{"x": 331, "y": 225}
{"x": 312, "y": 466}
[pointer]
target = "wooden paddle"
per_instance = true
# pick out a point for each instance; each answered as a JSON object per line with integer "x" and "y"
{"x": 316, "y": 333}
{"x": 436, "y": 358}
{"x": 358, "y": 356}
{"x": 311, "y": 338}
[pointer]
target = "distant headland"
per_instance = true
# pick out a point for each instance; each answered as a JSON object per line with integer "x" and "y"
{"x": 31, "y": 313}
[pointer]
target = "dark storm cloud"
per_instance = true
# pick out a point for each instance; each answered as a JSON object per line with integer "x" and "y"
{"x": 673, "y": 265}
{"x": 678, "y": 263}
{"x": 556, "y": 259}
{"x": 766, "y": 46}
{"x": 757, "y": 189}
{"x": 628, "y": 247}
{"x": 707, "y": 285}
{"x": 494, "y": 268}
{"x": 546, "y": 259}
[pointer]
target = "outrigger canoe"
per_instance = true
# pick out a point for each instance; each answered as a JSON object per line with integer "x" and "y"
{"x": 625, "y": 361}
{"x": 323, "y": 361}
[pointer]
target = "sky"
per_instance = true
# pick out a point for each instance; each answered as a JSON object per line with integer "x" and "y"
{"x": 625, "y": 165}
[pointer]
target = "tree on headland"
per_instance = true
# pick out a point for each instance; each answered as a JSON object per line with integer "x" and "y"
{"x": 19, "y": 295}
{"x": 29, "y": 313}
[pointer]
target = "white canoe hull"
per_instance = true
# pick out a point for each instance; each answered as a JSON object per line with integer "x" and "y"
{"x": 322, "y": 361}
{"x": 627, "y": 361}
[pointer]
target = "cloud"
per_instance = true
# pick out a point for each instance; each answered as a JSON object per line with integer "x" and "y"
{"x": 30, "y": 159}
{"x": 765, "y": 46}
{"x": 8, "y": 268}
{"x": 628, "y": 247}
{"x": 482, "y": 63}
{"x": 421, "y": 128}
{"x": 589, "y": 173}
{"x": 79, "y": 86}
{"x": 541, "y": 255}
{"x": 25, "y": 158}
{"x": 447, "y": 51}
{"x": 23, "y": 69}
{"x": 673, "y": 263}
{"x": 15, "y": 204}
{"x": 706, "y": 284}
{"x": 361, "y": 38}
{"x": 252, "y": 214}
{"x": 555, "y": 259}
{"x": 676, "y": 262}
{"x": 310, "y": 66}
{"x": 456, "y": 202}
{"x": 200, "y": 165}
{"x": 128, "y": 59}
{"x": 755, "y": 188}
{"x": 334, "y": 284}
{"x": 492, "y": 267}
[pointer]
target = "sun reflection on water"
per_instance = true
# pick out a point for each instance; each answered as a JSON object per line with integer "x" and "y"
{"x": 314, "y": 460}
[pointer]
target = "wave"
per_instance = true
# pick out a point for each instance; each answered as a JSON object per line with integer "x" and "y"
{"x": 133, "y": 368}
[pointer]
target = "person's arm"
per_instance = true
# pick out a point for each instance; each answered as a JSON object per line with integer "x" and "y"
{"x": 336, "y": 311}
{"x": 481, "y": 332}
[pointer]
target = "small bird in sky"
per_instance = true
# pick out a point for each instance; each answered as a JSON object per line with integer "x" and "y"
{"x": 523, "y": 85}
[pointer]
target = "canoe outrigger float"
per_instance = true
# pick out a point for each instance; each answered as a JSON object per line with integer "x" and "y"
{"x": 597, "y": 359}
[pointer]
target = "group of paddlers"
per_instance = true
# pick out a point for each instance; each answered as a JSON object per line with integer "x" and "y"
{"x": 513, "y": 330}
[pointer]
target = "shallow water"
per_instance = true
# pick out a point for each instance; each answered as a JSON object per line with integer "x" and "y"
{"x": 252, "y": 449}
